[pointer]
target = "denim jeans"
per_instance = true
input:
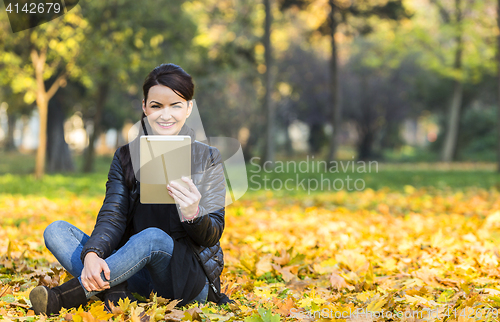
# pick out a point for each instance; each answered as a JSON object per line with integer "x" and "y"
{"x": 142, "y": 261}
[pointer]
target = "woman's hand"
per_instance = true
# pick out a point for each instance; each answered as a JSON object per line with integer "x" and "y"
{"x": 188, "y": 199}
{"x": 91, "y": 273}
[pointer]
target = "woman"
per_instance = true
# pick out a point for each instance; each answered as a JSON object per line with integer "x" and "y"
{"x": 170, "y": 249}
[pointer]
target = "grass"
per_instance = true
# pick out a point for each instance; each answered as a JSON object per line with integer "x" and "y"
{"x": 24, "y": 163}
{"x": 16, "y": 177}
{"x": 391, "y": 176}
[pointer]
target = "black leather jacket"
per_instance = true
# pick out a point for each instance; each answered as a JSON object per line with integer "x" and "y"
{"x": 112, "y": 228}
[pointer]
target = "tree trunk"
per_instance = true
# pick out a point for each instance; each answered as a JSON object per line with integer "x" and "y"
{"x": 365, "y": 144}
{"x": 42, "y": 136}
{"x": 9, "y": 140}
{"x": 58, "y": 153}
{"x": 251, "y": 145}
{"x": 450, "y": 142}
{"x": 42, "y": 102}
{"x": 498, "y": 103}
{"x": 288, "y": 140}
{"x": 390, "y": 134}
{"x": 268, "y": 104}
{"x": 102, "y": 95}
{"x": 334, "y": 89}
{"x": 316, "y": 138}
{"x": 24, "y": 124}
{"x": 366, "y": 126}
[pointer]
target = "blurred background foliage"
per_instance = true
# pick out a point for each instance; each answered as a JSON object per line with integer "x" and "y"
{"x": 417, "y": 79}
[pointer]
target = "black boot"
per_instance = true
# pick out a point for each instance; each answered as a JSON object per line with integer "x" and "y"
{"x": 114, "y": 294}
{"x": 51, "y": 300}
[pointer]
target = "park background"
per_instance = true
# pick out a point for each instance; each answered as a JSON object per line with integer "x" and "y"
{"x": 411, "y": 85}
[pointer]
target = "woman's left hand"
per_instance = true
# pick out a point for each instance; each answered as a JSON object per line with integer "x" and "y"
{"x": 187, "y": 199}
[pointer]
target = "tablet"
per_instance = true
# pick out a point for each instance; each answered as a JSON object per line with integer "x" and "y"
{"x": 163, "y": 158}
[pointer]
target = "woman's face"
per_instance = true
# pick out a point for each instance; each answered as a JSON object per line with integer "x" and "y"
{"x": 166, "y": 111}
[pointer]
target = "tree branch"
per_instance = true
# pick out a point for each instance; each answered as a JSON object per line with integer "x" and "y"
{"x": 444, "y": 14}
{"x": 38, "y": 62}
{"x": 60, "y": 81}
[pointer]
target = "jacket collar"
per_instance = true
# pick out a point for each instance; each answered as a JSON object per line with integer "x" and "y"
{"x": 186, "y": 130}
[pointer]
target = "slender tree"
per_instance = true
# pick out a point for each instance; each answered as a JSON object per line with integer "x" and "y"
{"x": 39, "y": 62}
{"x": 450, "y": 142}
{"x": 43, "y": 96}
{"x": 498, "y": 68}
{"x": 343, "y": 13}
{"x": 268, "y": 104}
{"x": 335, "y": 106}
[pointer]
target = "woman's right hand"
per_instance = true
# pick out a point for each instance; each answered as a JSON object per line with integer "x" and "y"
{"x": 91, "y": 274}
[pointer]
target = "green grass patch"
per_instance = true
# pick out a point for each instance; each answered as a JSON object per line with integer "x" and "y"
{"x": 304, "y": 179}
{"x": 16, "y": 177}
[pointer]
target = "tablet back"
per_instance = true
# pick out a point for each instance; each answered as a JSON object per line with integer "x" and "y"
{"x": 163, "y": 158}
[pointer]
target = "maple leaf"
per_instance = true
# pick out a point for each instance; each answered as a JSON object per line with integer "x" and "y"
{"x": 264, "y": 265}
{"x": 124, "y": 304}
{"x": 99, "y": 312}
{"x": 285, "y": 306}
{"x": 135, "y": 313}
{"x": 195, "y": 313}
{"x": 175, "y": 315}
{"x": 283, "y": 259}
{"x": 228, "y": 288}
{"x": 115, "y": 310}
{"x": 171, "y": 305}
{"x": 376, "y": 305}
{"x": 311, "y": 300}
{"x": 161, "y": 300}
{"x": 337, "y": 281}
{"x": 285, "y": 272}
{"x": 263, "y": 316}
{"x": 84, "y": 317}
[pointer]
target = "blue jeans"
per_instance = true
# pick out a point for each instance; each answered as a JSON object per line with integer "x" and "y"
{"x": 142, "y": 261}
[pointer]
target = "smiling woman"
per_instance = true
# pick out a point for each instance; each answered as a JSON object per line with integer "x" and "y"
{"x": 167, "y": 101}
{"x": 170, "y": 249}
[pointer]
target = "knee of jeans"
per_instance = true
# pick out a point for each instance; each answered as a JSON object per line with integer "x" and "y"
{"x": 52, "y": 231}
{"x": 158, "y": 238}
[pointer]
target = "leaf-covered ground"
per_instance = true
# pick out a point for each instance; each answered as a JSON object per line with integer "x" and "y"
{"x": 403, "y": 255}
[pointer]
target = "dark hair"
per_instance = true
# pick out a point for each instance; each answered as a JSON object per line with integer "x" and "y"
{"x": 172, "y": 76}
{"x": 169, "y": 75}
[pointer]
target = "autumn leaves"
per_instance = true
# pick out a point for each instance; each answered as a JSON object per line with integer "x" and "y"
{"x": 395, "y": 251}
